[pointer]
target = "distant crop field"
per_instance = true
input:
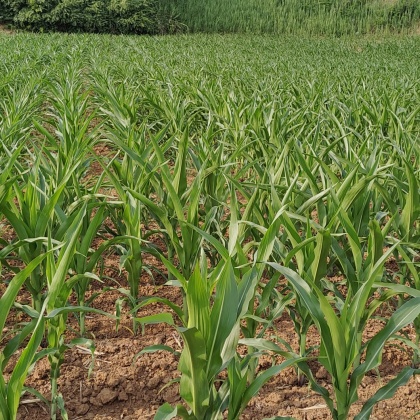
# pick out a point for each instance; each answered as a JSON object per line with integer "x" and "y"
{"x": 298, "y": 17}
{"x": 209, "y": 226}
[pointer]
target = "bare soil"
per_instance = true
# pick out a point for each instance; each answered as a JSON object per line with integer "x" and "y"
{"x": 123, "y": 387}
{"x": 5, "y": 30}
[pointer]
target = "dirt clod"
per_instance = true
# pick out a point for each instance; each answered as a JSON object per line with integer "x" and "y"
{"x": 321, "y": 373}
{"x": 107, "y": 395}
{"x": 122, "y": 396}
{"x": 82, "y": 409}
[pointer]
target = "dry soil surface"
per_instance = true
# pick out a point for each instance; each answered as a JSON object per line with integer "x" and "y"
{"x": 122, "y": 387}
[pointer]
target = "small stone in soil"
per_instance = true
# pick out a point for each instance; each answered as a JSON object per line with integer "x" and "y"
{"x": 122, "y": 396}
{"x": 113, "y": 381}
{"x": 82, "y": 409}
{"x": 322, "y": 373}
{"x": 107, "y": 395}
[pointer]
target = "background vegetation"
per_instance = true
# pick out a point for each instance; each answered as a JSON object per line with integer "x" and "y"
{"x": 166, "y": 16}
{"x": 309, "y": 17}
{"x": 100, "y": 16}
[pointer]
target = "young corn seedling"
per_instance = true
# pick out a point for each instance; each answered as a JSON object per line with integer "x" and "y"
{"x": 59, "y": 288}
{"x": 176, "y": 208}
{"x": 12, "y": 388}
{"x": 70, "y": 131}
{"x": 34, "y": 214}
{"x": 214, "y": 161}
{"x": 129, "y": 175}
{"x": 405, "y": 207}
{"x": 260, "y": 248}
{"x": 171, "y": 107}
{"x": 341, "y": 333}
{"x": 59, "y": 285}
{"x": 210, "y": 335}
{"x": 310, "y": 253}
{"x": 84, "y": 262}
{"x": 299, "y": 248}
{"x": 211, "y": 332}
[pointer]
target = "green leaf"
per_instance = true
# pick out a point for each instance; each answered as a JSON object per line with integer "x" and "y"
{"x": 386, "y": 392}
{"x": 263, "y": 378}
{"x": 173, "y": 306}
{"x": 266, "y": 345}
{"x": 20, "y": 371}
{"x": 213, "y": 241}
{"x": 163, "y": 317}
{"x": 8, "y": 298}
{"x": 398, "y": 288}
{"x": 403, "y": 316}
{"x": 58, "y": 272}
{"x": 194, "y": 387}
{"x": 155, "y": 348}
{"x": 265, "y": 248}
{"x": 180, "y": 176}
{"x": 237, "y": 377}
{"x": 70, "y": 309}
{"x": 322, "y": 250}
{"x": 222, "y": 319}
{"x": 166, "y": 412}
{"x": 198, "y": 301}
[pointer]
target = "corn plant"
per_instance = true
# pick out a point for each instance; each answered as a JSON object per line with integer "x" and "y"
{"x": 311, "y": 256}
{"x": 85, "y": 260}
{"x": 341, "y": 345}
{"x": 32, "y": 216}
{"x": 177, "y": 204}
{"x": 405, "y": 221}
{"x": 69, "y": 132}
{"x": 210, "y": 335}
{"x": 211, "y": 331}
{"x": 11, "y": 390}
{"x": 132, "y": 170}
{"x": 59, "y": 290}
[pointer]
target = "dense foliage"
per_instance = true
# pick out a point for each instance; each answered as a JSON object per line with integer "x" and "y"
{"x": 273, "y": 180}
{"x": 101, "y": 16}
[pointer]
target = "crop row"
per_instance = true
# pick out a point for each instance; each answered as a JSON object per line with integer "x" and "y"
{"x": 265, "y": 180}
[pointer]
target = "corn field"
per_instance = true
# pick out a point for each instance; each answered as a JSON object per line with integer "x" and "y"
{"x": 265, "y": 181}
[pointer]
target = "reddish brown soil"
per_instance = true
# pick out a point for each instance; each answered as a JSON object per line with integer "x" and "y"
{"x": 123, "y": 388}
